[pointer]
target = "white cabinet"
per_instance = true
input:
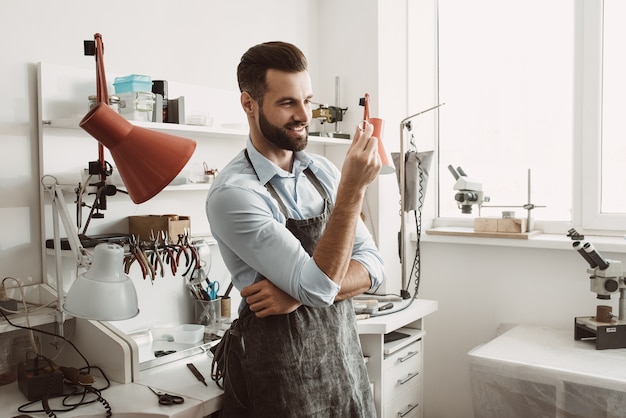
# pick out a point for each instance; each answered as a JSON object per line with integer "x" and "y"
{"x": 396, "y": 368}
{"x": 402, "y": 380}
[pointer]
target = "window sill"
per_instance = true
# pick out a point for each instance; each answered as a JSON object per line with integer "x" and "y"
{"x": 546, "y": 241}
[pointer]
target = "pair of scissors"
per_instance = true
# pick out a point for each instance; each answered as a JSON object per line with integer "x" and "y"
{"x": 212, "y": 290}
{"x": 167, "y": 399}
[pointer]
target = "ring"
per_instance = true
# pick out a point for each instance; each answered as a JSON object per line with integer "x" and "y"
{"x": 365, "y": 123}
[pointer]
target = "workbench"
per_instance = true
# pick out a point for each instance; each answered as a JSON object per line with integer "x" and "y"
{"x": 390, "y": 367}
{"x": 537, "y": 371}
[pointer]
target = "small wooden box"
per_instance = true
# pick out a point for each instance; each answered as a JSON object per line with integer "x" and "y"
{"x": 515, "y": 225}
{"x": 144, "y": 225}
{"x": 486, "y": 224}
{"x": 510, "y": 225}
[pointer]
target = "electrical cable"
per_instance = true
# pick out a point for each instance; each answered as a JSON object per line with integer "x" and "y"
{"x": 416, "y": 267}
{"x": 86, "y": 388}
{"x": 26, "y": 312}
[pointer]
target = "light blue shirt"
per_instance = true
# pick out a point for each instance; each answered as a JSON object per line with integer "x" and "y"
{"x": 249, "y": 227}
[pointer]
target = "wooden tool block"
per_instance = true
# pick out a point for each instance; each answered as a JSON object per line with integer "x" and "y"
{"x": 510, "y": 225}
{"x": 486, "y": 224}
{"x": 144, "y": 225}
{"x": 515, "y": 225}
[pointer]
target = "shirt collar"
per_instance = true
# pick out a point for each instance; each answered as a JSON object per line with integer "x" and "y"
{"x": 266, "y": 169}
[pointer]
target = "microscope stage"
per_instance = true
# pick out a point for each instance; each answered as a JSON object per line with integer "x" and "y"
{"x": 605, "y": 334}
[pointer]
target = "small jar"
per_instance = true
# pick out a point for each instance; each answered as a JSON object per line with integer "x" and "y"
{"x": 114, "y": 102}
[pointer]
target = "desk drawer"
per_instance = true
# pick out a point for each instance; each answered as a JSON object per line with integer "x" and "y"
{"x": 403, "y": 406}
{"x": 405, "y": 374}
{"x": 403, "y": 355}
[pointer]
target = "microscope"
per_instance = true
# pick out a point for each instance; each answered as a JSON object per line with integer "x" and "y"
{"x": 330, "y": 114}
{"x": 469, "y": 192}
{"x": 606, "y": 277}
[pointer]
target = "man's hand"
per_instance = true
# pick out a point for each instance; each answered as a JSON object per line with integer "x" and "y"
{"x": 361, "y": 164}
{"x": 265, "y": 299}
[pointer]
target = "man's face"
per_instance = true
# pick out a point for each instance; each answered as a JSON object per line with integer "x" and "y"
{"x": 285, "y": 114}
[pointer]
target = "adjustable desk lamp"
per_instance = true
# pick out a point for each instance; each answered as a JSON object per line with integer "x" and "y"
{"x": 147, "y": 162}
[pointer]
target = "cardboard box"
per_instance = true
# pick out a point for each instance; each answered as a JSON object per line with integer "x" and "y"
{"x": 173, "y": 225}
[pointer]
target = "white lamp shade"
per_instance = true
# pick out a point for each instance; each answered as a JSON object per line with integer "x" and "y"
{"x": 104, "y": 292}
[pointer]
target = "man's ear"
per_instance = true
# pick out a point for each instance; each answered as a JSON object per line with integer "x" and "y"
{"x": 247, "y": 102}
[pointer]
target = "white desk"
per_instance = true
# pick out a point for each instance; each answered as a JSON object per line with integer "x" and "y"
{"x": 535, "y": 371}
{"x": 135, "y": 399}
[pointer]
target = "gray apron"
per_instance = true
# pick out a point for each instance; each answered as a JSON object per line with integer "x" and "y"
{"x": 304, "y": 364}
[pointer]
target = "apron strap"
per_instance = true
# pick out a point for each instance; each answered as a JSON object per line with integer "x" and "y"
{"x": 283, "y": 209}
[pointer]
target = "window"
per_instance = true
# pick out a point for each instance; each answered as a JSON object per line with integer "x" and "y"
{"x": 524, "y": 83}
{"x": 506, "y": 74}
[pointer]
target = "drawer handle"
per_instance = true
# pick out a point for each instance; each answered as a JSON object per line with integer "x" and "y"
{"x": 408, "y": 356}
{"x": 408, "y": 409}
{"x": 409, "y": 377}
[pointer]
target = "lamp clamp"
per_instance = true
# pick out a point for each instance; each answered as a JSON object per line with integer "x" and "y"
{"x": 90, "y": 47}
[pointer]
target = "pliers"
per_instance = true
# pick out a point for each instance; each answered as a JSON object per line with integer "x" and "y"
{"x": 136, "y": 253}
{"x": 155, "y": 256}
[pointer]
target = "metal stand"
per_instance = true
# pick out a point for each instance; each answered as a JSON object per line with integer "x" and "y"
{"x": 405, "y": 123}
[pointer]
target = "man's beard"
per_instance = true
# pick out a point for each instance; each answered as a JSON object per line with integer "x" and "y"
{"x": 282, "y": 137}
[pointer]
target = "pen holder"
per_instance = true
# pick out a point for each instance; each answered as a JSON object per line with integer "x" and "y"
{"x": 208, "y": 312}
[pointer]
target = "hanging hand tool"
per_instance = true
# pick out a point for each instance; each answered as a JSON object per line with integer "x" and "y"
{"x": 155, "y": 256}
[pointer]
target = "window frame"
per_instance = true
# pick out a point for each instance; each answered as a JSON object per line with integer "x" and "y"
{"x": 590, "y": 37}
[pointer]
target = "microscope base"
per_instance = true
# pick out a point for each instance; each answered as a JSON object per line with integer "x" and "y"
{"x": 606, "y": 335}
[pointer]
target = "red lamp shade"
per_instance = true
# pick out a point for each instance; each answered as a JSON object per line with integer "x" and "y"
{"x": 146, "y": 160}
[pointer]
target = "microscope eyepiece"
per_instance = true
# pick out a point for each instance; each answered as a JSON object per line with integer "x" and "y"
{"x": 595, "y": 256}
{"x": 578, "y": 246}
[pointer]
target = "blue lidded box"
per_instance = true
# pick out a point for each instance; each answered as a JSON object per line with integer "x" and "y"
{"x": 132, "y": 83}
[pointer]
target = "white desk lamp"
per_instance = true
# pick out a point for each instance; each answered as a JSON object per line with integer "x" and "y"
{"x": 147, "y": 161}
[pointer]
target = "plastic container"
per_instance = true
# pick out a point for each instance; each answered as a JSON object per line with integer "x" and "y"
{"x": 163, "y": 331}
{"x": 7, "y": 374}
{"x": 137, "y": 105}
{"x": 365, "y": 306}
{"x": 189, "y": 333}
{"x": 133, "y": 83}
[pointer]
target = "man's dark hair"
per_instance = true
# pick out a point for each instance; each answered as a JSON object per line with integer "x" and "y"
{"x": 257, "y": 60}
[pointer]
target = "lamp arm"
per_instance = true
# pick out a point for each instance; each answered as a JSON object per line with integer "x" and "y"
{"x": 59, "y": 211}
